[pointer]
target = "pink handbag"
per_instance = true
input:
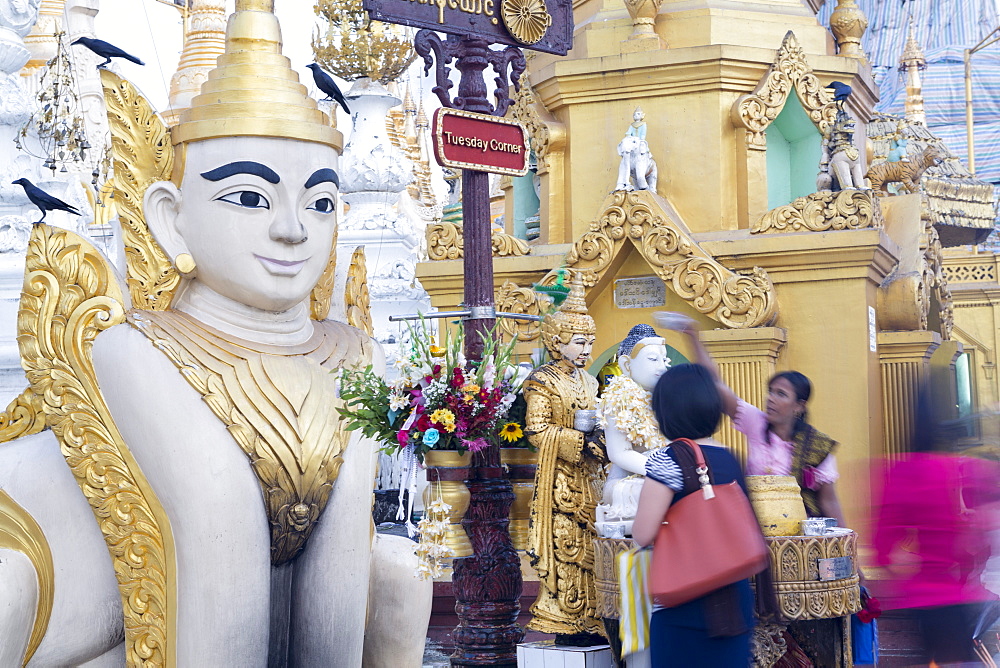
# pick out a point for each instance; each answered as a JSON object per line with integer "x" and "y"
{"x": 708, "y": 540}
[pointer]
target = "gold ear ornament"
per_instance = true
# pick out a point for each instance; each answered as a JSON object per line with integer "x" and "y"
{"x": 185, "y": 264}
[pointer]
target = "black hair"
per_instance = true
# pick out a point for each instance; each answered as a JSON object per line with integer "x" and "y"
{"x": 802, "y": 388}
{"x": 686, "y": 402}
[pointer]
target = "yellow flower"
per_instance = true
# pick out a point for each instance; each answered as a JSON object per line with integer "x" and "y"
{"x": 511, "y": 432}
{"x": 445, "y": 418}
{"x": 471, "y": 388}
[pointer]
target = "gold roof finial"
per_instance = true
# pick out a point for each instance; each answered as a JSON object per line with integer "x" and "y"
{"x": 253, "y": 91}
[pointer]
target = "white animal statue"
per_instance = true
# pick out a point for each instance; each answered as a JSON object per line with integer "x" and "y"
{"x": 630, "y": 428}
{"x": 840, "y": 168}
{"x": 637, "y": 169}
{"x": 233, "y": 511}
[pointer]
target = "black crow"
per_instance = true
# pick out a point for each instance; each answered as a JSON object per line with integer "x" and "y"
{"x": 105, "y": 50}
{"x": 841, "y": 91}
{"x": 326, "y": 84}
{"x": 44, "y": 201}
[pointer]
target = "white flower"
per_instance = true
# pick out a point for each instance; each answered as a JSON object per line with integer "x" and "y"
{"x": 489, "y": 375}
{"x": 398, "y": 402}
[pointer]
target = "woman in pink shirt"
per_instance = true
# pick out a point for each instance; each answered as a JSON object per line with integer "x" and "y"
{"x": 780, "y": 440}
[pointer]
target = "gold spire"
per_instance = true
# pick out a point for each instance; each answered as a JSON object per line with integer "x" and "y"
{"x": 912, "y": 63}
{"x": 204, "y": 42}
{"x": 254, "y": 91}
{"x": 576, "y": 302}
{"x": 571, "y": 318}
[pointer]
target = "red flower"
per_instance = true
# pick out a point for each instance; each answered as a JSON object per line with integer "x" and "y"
{"x": 423, "y": 422}
{"x": 865, "y": 617}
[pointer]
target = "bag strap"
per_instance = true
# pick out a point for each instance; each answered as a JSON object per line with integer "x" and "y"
{"x": 701, "y": 467}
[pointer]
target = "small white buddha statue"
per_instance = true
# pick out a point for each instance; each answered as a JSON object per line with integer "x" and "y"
{"x": 630, "y": 428}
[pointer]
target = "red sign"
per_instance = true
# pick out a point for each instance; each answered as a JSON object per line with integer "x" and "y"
{"x": 464, "y": 140}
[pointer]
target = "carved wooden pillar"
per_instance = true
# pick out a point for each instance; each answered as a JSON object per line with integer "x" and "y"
{"x": 905, "y": 358}
{"x": 747, "y": 360}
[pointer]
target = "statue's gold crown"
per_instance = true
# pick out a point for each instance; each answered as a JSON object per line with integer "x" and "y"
{"x": 253, "y": 91}
{"x": 571, "y": 318}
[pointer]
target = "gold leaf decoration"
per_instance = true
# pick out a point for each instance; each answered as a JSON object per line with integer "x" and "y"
{"x": 513, "y": 299}
{"x": 322, "y": 293}
{"x": 790, "y": 70}
{"x": 445, "y": 242}
{"x": 143, "y": 154}
{"x": 20, "y": 532}
{"x": 356, "y": 298}
{"x": 24, "y": 416}
{"x": 70, "y": 295}
{"x": 823, "y": 211}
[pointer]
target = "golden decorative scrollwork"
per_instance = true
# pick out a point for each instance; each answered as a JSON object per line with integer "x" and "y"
{"x": 513, "y": 299}
{"x": 24, "y": 416}
{"x": 545, "y": 134}
{"x": 356, "y": 298}
{"x": 935, "y": 279}
{"x": 822, "y": 211}
{"x": 735, "y": 300}
{"x": 20, "y": 532}
{"x": 767, "y": 645}
{"x": 322, "y": 293}
{"x": 143, "y": 154}
{"x": 757, "y": 111}
{"x": 70, "y": 295}
{"x": 445, "y": 242}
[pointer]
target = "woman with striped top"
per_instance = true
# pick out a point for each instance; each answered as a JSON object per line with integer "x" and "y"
{"x": 712, "y": 631}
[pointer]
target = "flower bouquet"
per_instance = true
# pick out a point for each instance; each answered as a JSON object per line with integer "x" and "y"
{"x": 439, "y": 400}
{"x": 440, "y": 403}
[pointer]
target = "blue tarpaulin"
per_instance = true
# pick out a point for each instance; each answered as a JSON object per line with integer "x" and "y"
{"x": 944, "y": 28}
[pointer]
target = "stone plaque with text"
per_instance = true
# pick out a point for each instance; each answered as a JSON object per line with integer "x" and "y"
{"x": 642, "y": 292}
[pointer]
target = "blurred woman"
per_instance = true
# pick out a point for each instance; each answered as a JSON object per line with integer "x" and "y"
{"x": 714, "y": 630}
{"x": 780, "y": 440}
{"x": 932, "y": 536}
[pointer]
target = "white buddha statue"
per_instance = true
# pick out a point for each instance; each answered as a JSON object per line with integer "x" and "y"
{"x": 630, "y": 428}
{"x": 225, "y": 405}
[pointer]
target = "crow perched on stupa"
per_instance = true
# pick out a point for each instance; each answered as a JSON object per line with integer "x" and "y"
{"x": 841, "y": 91}
{"x": 106, "y": 50}
{"x": 327, "y": 85}
{"x": 44, "y": 201}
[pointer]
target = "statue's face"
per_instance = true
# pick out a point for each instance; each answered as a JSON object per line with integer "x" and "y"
{"x": 258, "y": 217}
{"x": 649, "y": 363}
{"x": 577, "y": 351}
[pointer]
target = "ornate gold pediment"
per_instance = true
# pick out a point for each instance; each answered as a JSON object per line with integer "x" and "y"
{"x": 445, "y": 242}
{"x": 643, "y": 219}
{"x": 790, "y": 70}
{"x": 823, "y": 211}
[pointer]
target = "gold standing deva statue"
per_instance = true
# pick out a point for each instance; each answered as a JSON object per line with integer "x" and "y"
{"x": 561, "y": 420}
